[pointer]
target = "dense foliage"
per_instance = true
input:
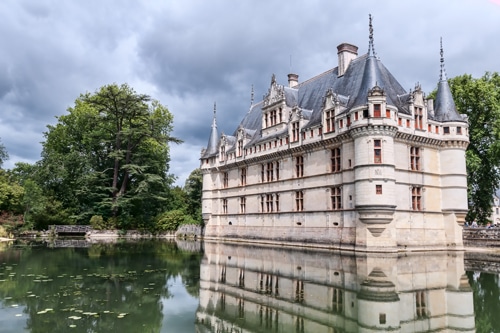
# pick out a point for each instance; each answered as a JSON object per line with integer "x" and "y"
{"x": 105, "y": 163}
{"x": 479, "y": 99}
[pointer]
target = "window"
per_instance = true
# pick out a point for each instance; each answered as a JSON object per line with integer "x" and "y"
{"x": 262, "y": 173}
{"x": 365, "y": 114}
{"x": 356, "y": 116}
{"x": 277, "y": 168}
{"x": 416, "y": 198}
{"x": 336, "y": 160}
{"x": 273, "y": 117}
{"x": 265, "y": 120}
{"x": 337, "y": 300}
{"x": 240, "y": 148}
{"x": 224, "y": 206}
{"x": 348, "y": 121}
{"x": 269, "y": 203}
{"x": 330, "y": 121}
{"x": 277, "y": 202}
{"x": 299, "y": 291}
{"x": 225, "y": 179}
{"x": 446, "y": 130}
{"x": 377, "y": 151}
{"x": 269, "y": 172}
{"x": 388, "y": 113}
{"x": 420, "y": 305}
{"x": 336, "y": 197}
{"x": 429, "y": 128}
{"x": 459, "y": 130}
{"x": 243, "y": 176}
{"x": 341, "y": 123}
{"x": 400, "y": 121}
{"x": 299, "y": 201}
{"x": 376, "y": 111}
{"x": 418, "y": 118}
{"x": 414, "y": 158}
{"x": 295, "y": 131}
{"x": 262, "y": 202}
{"x": 299, "y": 166}
{"x": 241, "y": 278}
{"x": 222, "y": 152}
{"x": 378, "y": 189}
{"x": 243, "y": 205}
{"x": 407, "y": 122}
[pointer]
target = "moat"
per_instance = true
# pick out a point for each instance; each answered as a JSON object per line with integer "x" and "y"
{"x": 182, "y": 286}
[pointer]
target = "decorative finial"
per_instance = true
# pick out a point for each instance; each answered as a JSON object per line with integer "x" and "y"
{"x": 273, "y": 79}
{"x": 215, "y": 108}
{"x": 371, "y": 46}
{"x": 251, "y": 97}
{"x": 442, "y": 75}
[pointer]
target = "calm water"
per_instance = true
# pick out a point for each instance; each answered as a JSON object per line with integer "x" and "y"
{"x": 165, "y": 286}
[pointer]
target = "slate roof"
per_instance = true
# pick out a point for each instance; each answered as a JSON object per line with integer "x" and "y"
{"x": 352, "y": 89}
{"x": 364, "y": 73}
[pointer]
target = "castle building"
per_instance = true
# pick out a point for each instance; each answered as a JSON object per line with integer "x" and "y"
{"x": 347, "y": 159}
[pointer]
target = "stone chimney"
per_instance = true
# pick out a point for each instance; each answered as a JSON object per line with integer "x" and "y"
{"x": 347, "y": 52}
{"x": 293, "y": 80}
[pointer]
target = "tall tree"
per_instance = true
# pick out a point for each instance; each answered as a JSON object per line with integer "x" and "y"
{"x": 110, "y": 156}
{"x": 193, "y": 188}
{"x": 479, "y": 99}
{"x": 4, "y": 156}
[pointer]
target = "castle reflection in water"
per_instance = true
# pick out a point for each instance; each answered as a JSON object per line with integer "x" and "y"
{"x": 268, "y": 289}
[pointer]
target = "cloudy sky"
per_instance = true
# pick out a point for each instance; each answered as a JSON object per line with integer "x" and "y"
{"x": 189, "y": 54}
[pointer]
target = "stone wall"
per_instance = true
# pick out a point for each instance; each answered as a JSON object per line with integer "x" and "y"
{"x": 481, "y": 237}
{"x": 189, "y": 231}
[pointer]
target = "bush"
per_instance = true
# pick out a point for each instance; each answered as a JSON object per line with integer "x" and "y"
{"x": 170, "y": 221}
{"x": 98, "y": 223}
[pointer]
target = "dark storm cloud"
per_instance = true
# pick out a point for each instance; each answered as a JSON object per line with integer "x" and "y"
{"x": 190, "y": 54}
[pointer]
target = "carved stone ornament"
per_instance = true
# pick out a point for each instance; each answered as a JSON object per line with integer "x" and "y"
{"x": 276, "y": 93}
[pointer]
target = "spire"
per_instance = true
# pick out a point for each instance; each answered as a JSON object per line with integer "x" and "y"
{"x": 213, "y": 141}
{"x": 442, "y": 76}
{"x": 371, "y": 46}
{"x": 251, "y": 97}
{"x": 444, "y": 106}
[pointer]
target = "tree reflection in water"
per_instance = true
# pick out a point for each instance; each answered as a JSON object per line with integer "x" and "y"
{"x": 102, "y": 288}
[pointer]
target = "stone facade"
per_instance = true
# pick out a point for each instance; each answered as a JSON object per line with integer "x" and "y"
{"x": 257, "y": 289}
{"x": 347, "y": 159}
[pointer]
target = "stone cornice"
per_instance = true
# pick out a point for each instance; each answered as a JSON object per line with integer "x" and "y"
{"x": 371, "y": 130}
{"x": 414, "y": 140}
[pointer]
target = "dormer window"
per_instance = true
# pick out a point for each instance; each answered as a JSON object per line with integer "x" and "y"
{"x": 376, "y": 111}
{"x": 330, "y": 121}
{"x": 418, "y": 118}
{"x": 222, "y": 152}
{"x": 295, "y": 131}
{"x": 240, "y": 148}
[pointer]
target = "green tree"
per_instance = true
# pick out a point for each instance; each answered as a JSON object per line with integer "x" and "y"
{"x": 193, "y": 188}
{"x": 109, "y": 156}
{"x": 479, "y": 99}
{"x": 4, "y": 156}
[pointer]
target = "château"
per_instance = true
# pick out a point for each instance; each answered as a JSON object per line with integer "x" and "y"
{"x": 347, "y": 159}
